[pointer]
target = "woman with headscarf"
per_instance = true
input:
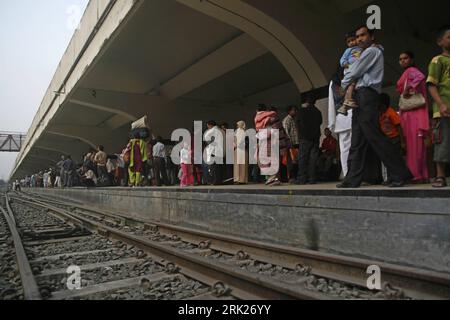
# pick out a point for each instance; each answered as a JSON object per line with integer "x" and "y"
{"x": 240, "y": 155}
{"x": 415, "y": 123}
{"x": 265, "y": 121}
{"x": 138, "y": 158}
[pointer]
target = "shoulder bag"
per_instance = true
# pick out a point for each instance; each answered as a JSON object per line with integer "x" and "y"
{"x": 415, "y": 101}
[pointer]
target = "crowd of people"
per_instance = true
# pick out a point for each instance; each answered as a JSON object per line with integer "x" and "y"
{"x": 372, "y": 136}
{"x": 371, "y": 132}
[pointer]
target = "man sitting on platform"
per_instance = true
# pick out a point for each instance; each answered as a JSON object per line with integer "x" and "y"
{"x": 327, "y": 164}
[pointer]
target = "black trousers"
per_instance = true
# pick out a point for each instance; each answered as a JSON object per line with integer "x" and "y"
{"x": 307, "y": 162}
{"x": 366, "y": 133}
{"x": 102, "y": 175}
{"x": 373, "y": 172}
{"x": 398, "y": 144}
{"x": 89, "y": 183}
{"x": 292, "y": 168}
{"x": 159, "y": 165}
{"x": 227, "y": 173}
{"x": 216, "y": 174}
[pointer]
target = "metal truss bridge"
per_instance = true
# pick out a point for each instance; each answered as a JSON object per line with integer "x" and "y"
{"x": 11, "y": 141}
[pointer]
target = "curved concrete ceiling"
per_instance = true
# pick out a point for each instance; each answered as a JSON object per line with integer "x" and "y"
{"x": 279, "y": 40}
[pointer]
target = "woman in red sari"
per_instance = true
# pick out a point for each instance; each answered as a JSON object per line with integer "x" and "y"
{"x": 415, "y": 123}
{"x": 265, "y": 120}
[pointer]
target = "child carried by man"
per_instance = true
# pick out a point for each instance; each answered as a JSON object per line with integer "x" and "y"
{"x": 350, "y": 56}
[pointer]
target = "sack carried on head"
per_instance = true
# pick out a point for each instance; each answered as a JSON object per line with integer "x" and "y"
{"x": 141, "y": 123}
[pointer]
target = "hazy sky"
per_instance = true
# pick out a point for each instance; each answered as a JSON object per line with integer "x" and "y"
{"x": 33, "y": 37}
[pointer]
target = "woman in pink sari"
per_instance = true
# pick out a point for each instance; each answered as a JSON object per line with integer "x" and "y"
{"x": 415, "y": 123}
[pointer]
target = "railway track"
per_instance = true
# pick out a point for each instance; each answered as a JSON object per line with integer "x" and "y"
{"x": 246, "y": 269}
{"x": 50, "y": 248}
{"x": 10, "y": 282}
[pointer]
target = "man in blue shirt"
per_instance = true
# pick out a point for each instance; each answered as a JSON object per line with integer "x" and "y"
{"x": 69, "y": 167}
{"x": 368, "y": 73}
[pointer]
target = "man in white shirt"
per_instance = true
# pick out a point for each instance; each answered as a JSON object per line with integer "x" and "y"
{"x": 62, "y": 174}
{"x": 342, "y": 126}
{"x": 45, "y": 179}
{"x": 101, "y": 159}
{"x": 159, "y": 162}
{"x": 214, "y": 152}
{"x": 290, "y": 126}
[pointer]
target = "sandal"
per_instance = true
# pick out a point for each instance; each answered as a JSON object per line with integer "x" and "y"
{"x": 440, "y": 182}
{"x": 275, "y": 183}
{"x": 270, "y": 181}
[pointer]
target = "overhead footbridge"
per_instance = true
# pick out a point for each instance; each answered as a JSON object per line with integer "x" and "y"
{"x": 11, "y": 141}
{"x": 183, "y": 60}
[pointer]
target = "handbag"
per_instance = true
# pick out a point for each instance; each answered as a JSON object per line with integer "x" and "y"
{"x": 416, "y": 100}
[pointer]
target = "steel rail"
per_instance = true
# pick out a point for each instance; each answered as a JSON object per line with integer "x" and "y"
{"x": 64, "y": 294}
{"x": 416, "y": 283}
{"x": 243, "y": 285}
{"x": 30, "y": 287}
